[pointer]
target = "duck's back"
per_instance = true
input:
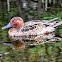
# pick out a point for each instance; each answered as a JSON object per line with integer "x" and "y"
{"x": 32, "y": 29}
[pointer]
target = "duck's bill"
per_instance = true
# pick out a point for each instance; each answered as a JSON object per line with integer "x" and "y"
{"x": 7, "y": 26}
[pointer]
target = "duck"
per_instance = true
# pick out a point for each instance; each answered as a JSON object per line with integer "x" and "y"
{"x": 35, "y": 27}
{"x": 32, "y": 29}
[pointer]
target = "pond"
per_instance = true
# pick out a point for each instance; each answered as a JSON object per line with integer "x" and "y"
{"x": 48, "y": 52}
{"x": 44, "y": 52}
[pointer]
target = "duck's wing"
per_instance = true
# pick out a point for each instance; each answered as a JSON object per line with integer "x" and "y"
{"x": 54, "y": 24}
{"x": 32, "y": 22}
{"x": 27, "y": 28}
{"x": 34, "y": 29}
{"x": 37, "y": 27}
{"x": 33, "y": 26}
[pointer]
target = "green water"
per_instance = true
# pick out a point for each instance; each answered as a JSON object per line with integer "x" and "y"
{"x": 48, "y": 52}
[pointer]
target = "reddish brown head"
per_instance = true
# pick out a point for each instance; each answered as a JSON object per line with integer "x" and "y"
{"x": 16, "y": 22}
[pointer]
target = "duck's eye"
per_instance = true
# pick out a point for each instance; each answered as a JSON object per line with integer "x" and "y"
{"x": 15, "y": 24}
{"x": 12, "y": 21}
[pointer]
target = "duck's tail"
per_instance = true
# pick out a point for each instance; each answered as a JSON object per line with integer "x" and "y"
{"x": 52, "y": 25}
{"x": 56, "y": 24}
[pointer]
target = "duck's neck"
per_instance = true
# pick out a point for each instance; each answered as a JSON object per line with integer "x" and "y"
{"x": 17, "y": 27}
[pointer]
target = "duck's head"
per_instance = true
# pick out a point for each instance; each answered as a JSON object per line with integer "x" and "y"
{"x": 16, "y": 22}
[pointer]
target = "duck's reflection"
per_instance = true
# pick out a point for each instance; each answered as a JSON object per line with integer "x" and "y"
{"x": 47, "y": 53}
{"x": 17, "y": 45}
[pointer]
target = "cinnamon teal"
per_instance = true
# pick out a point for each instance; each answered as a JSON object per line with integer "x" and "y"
{"x": 32, "y": 29}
